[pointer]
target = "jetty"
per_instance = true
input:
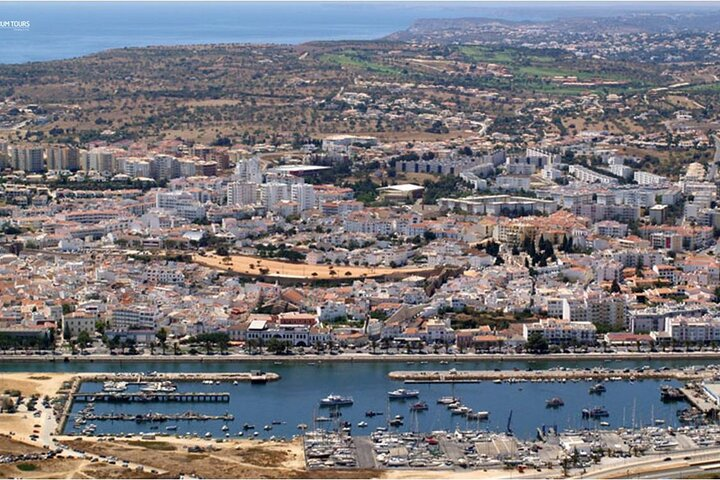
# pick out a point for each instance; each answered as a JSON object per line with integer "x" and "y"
{"x": 152, "y": 397}
{"x": 255, "y": 376}
{"x": 469, "y": 376}
{"x": 157, "y": 417}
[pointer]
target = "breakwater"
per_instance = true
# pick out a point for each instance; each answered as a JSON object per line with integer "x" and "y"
{"x": 469, "y": 376}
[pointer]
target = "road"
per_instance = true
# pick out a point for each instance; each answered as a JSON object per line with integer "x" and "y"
{"x": 655, "y": 466}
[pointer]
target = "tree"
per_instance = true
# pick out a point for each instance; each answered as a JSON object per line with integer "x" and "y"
{"x": 161, "y": 336}
{"x": 278, "y": 347}
{"x": 66, "y": 331}
{"x": 536, "y": 343}
{"x": 83, "y": 340}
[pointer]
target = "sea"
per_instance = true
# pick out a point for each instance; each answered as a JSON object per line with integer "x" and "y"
{"x": 32, "y": 31}
{"x": 294, "y": 399}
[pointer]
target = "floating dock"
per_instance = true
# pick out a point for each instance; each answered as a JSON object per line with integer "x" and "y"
{"x": 152, "y": 397}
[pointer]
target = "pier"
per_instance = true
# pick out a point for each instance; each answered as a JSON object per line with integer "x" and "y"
{"x": 699, "y": 399}
{"x": 158, "y": 417}
{"x": 152, "y": 397}
{"x": 470, "y": 376}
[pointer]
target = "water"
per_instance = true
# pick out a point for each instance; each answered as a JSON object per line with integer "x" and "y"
{"x": 70, "y": 29}
{"x": 294, "y": 398}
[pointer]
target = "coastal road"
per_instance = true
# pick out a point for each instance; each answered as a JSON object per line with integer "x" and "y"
{"x": 655, "y": 466}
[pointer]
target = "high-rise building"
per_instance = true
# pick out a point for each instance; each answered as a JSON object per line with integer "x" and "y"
{"x": 164, "y": 167}
{"x": 247, "y": 169}
{"x": 272, "y": 193}
{"x": 242, "y": 193}
{"x": 100, "y": 160}
{"x": 303, "y": 195}
{"x": 62, "y": 157}
{"x": 27, "y": 158}
{"x": 137, "y": 167}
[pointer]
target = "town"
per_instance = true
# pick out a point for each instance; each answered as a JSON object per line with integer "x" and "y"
{"x": 164, "y": 248}
{"x": 471, "y": 248}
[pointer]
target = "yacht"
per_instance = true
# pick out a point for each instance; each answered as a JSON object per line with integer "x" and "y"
{"x": 419, "y": 406}
{"x": 114, "y": 387}
{"x": 598, "y": 388}
{"x": 336, "y": 401}
{"x": 159, "y": 387}
{"x": 596, "y": 412}
{"x": 402, "y": 393}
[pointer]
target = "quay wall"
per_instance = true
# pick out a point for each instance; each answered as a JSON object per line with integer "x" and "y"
{"x": 461, "y": 376}
{"x": 559, "y": 357}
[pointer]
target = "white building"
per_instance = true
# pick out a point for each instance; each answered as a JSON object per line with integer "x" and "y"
{"x": 558, "y": 331}
{"x": 694, "y": 330}
{"x": 242, "y": 193}
{"x": 135, "y": 317}
{"x": 303, "y": 195}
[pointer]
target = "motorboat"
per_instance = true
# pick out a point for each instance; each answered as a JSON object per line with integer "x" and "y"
{"x": 595, "y": 412}
{"x": 402, "y": 393}
{"x": 598, "y": 388}
{"x": 554, "y": 402}
{"x": 333, "y": 400}
{"x": 419, "y": 406}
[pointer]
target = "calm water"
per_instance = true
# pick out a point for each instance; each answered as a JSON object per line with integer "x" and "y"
{"x": 295, "y": 397}
{"x": 70, "y": 29}
{"x": 294, "y": 400}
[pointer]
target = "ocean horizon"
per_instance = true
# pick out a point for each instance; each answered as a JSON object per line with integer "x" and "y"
{"x": 61, "y": 30}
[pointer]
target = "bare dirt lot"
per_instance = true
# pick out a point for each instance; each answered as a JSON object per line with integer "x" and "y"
{"x": 262, "y": 267}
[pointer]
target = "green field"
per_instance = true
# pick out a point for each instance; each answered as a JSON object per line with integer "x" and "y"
{"x": 350, "y": 58}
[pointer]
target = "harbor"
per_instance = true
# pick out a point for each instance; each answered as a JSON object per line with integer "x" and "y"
{"x": 596, "y": 398}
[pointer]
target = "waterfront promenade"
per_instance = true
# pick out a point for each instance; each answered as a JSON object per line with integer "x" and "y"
{"x": 368, "y": 357}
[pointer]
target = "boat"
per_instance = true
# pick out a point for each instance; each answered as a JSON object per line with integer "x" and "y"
{"x": 497, "y": 380}
{"x": 159, "y": 387}
{"x": 481, "y": 415}
{"x": 207, "y": 382}
{"x": 323, "y": 419}
{"x": 396, "y": 422}
{"x": 371, "y": 414}
{"x": 447, "y": 400}
{"x": 554, "y": 402}
{"x": 225, "y": 428}
{"x": 419, "y": 406}
{"x": 401, "y": 394}
{"x": 604, "y": 424}
{"x": 114, "y": 387}
{"x": 595, "y": 412}
{"x": 362, "y": 424}
{"x": 247, "y": 426}
{"x": 333, "y": 400}
{"x": 171, "y": 428}
{"x": 669, "y": 393}
{"x": 267, "y": 428}
{"x": 598, "y": 389}
{"x": 302, "y": 426}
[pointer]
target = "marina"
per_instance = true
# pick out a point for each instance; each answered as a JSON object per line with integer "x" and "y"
{"x": 373, "y": 400}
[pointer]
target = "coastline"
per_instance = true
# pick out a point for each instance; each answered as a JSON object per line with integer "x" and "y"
{"x": 360, "y": 358}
